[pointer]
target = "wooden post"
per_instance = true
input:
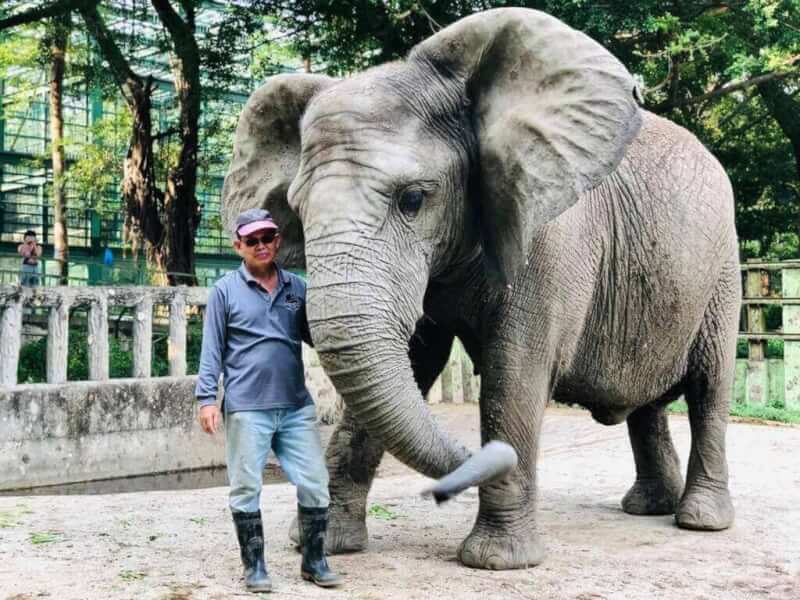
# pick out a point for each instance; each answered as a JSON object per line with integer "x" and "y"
{"x": 10, "y": 342}
{"x": 58, "y": 341}
{"x": 143, "y": 337}
{"x": 177, "y": 336}
{"x": 757, "y": 382}
{"x": 791, "y": 324}
{"x": 98, "y": 339}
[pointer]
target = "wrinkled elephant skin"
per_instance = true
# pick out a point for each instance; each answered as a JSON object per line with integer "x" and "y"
{"x": 501, "y": 185}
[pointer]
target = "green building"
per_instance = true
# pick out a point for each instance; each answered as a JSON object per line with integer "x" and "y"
{"x": 95, "y": 220}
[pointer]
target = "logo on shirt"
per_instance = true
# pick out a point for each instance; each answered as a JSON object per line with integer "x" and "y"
{"x": 292, "y": 301}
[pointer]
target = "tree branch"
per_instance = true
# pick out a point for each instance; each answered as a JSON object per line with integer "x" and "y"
{"x": 53, "y": 9}
{"x": 128, "y": 81}
{"x": 668, "y": 105}
{"x": 177, "y": 27}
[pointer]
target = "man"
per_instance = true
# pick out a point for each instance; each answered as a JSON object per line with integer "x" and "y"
{"x": 30, "y": 252}
{"x": 254, "y": 323}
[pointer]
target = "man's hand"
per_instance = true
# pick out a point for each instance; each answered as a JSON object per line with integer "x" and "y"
{"x": 209, "y": 418}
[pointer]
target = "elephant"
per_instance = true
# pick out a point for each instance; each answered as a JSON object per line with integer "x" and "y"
{"x": 502, "y": 185}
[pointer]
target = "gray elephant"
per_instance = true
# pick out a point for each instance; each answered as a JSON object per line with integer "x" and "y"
{"x": 501, "y": 185}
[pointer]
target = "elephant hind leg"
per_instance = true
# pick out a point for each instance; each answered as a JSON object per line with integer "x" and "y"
{"x": 706, "y": 502}
{"x": 658, "y": 484}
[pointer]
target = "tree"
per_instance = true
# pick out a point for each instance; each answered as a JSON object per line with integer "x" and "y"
{"x": 52, "y": 53}
{"x": 166, "y": 220}
{"x": 728, "y": 71}
{"x": 57, "y": 38}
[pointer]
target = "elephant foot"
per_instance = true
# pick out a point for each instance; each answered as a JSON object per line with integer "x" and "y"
{"x": 652, "y": 497}
{"x": 491, "y": 550}
{"x": 706, "y": 508}
{"x": 344, "y": 535}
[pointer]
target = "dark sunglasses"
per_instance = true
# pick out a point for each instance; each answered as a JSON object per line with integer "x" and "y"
{"x": 264, "y": 239}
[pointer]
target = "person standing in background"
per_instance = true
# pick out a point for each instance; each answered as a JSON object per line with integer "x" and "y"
{"x": 30, "y": 252}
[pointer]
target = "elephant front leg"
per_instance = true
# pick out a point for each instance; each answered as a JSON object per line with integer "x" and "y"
{"x": 504, "y": 535}
{"x": 352, "y": 457}
{"x": 658, "y": 484}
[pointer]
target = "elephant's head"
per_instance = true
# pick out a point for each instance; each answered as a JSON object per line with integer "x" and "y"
{"x": 385, "y": 181}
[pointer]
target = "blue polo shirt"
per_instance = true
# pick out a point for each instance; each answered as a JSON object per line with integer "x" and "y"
{"x": 254, "y": 339}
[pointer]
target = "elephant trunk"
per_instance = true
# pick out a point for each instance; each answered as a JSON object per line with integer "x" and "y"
{"x": 361, "y": 324}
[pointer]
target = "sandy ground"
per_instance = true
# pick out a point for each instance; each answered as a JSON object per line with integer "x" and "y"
{"x": 180, "y": 544}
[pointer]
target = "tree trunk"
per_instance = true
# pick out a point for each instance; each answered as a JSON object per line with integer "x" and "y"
{"x": 143, "y": 200}
{"x": 58, "y": 38}
{"x": 182, "y": 211}
{"x": 785, "y": 109}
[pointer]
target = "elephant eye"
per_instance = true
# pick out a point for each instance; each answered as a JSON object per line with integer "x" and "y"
{"x": 411, "y": 202}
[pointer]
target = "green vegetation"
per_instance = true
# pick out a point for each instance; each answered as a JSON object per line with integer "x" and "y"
{"x": 11, "y": 518}
{"x": 8, "y": 519}
{"x": 774, "y": 348}
{"x": 48, "y": 537}
{"x": 32, "y": 367}
{"x": 381, "y": 512}
{"x": 132, "y": 575}
{"x": 774, "y": 411}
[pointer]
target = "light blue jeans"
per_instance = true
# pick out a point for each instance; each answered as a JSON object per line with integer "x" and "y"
{"x": 294, "y": 436}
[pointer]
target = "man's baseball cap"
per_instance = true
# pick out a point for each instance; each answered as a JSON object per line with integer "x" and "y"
{"x": 253, "y": 219}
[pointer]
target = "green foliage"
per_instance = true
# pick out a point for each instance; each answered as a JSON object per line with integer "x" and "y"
{"x": 32, "y": 366}
{"x": 381, "y": 512}
{"x": 774, "y": 349}
{"x": 46, "y": 537}
{"x": 99, "y": 160}
{"x": 773, "y": 411}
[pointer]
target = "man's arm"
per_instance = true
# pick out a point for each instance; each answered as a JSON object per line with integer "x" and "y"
{"x": 211, "y": 355}
{"x": 305, "y": 331}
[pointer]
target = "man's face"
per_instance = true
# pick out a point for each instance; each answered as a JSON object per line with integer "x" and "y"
{"x": 259, "y": 248}
{"x": 30, "y": 240}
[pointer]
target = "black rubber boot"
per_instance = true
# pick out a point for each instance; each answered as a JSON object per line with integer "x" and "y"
{"x": 313, "y": 523}
{"x": 250, "y": 533}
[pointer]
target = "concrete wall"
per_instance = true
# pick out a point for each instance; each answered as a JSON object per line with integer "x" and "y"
{"x": 82, "y": 431}
{"x": 52, "y": 434}
{"x": 759, "y": 382}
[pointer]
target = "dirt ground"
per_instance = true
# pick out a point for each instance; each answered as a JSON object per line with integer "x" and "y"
{"x": 180, "y": 544}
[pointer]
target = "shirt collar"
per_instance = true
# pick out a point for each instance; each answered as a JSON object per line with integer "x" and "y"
{"x": 283, "y": 277}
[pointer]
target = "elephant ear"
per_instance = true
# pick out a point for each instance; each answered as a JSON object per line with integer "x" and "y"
{"x": 553, "y": 112}
{"x": 266, "y": 154}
